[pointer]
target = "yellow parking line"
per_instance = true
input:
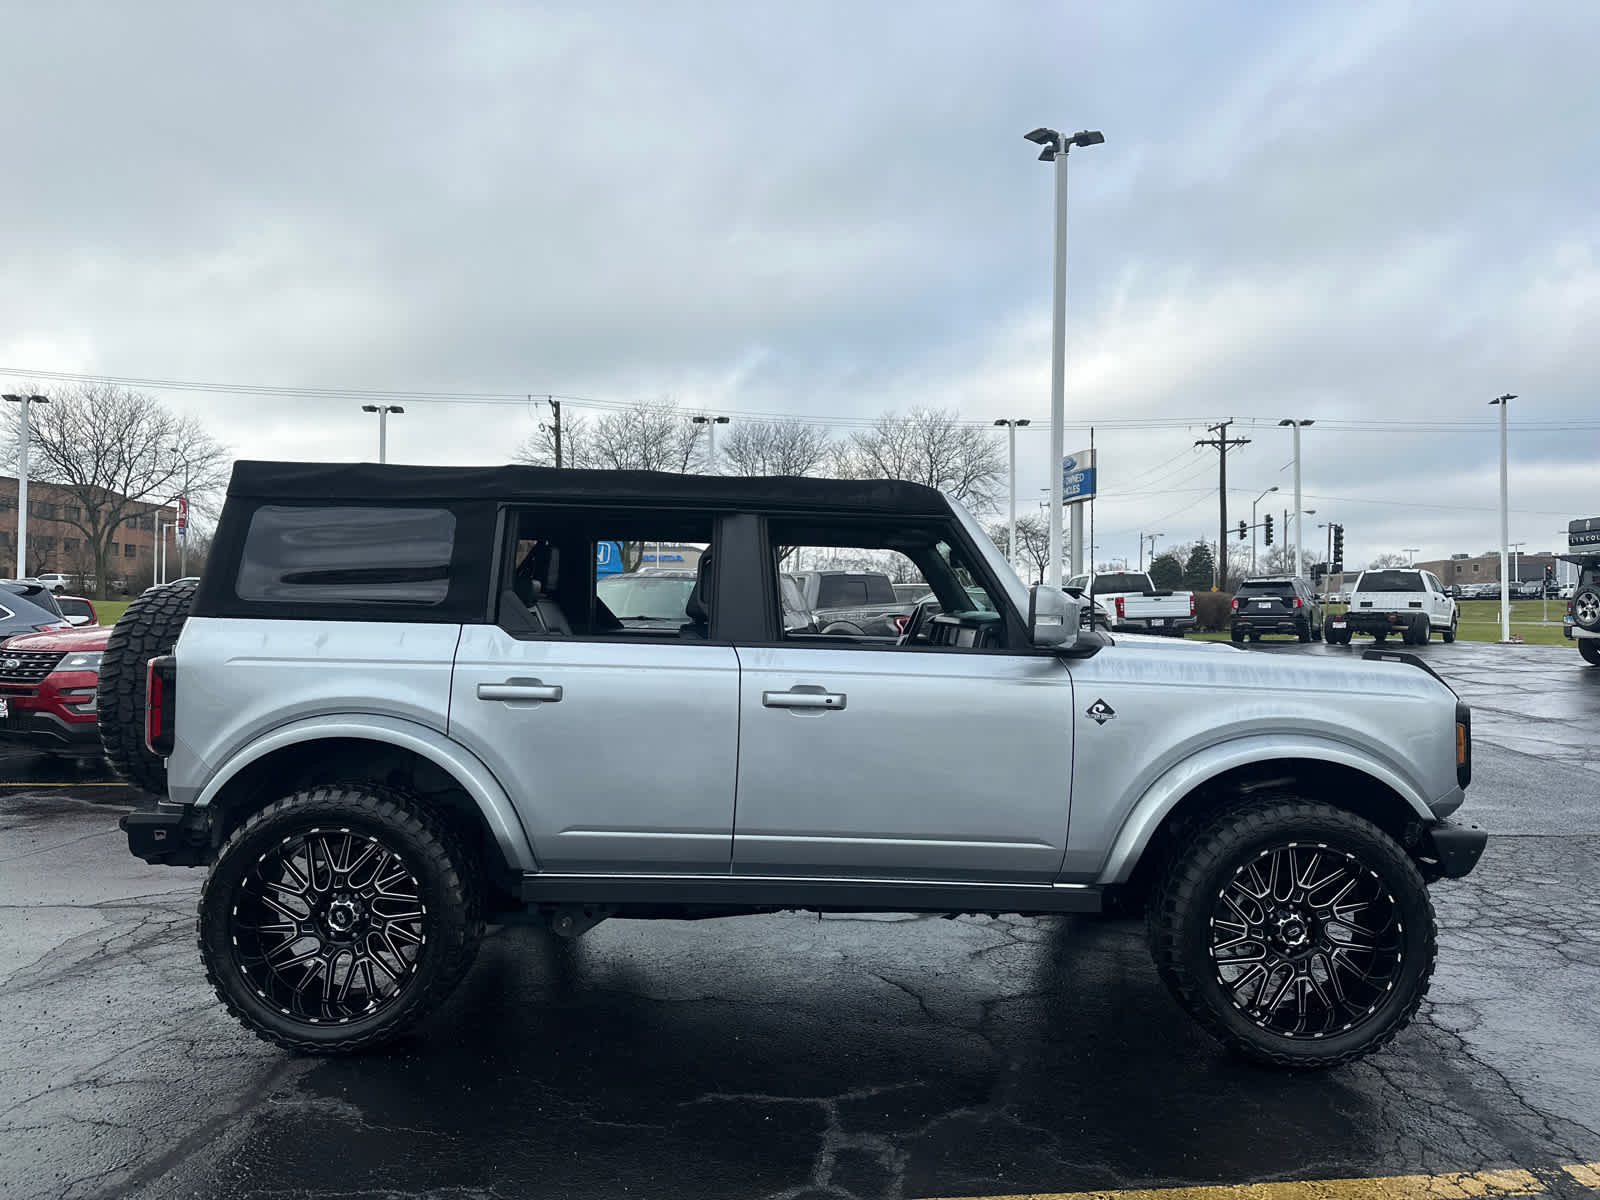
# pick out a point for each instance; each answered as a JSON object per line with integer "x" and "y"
{"x": 1587, "y": 1174}
{"x": 1392, "y": 1187}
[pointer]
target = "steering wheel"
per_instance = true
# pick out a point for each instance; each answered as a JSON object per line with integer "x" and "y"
{"x": 914, "y": 625}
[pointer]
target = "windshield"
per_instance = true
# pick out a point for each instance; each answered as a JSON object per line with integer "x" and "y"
{"x": 643, "y": 597}
{"x": 1391, "y": 581}
{"x": 995, "y": 561}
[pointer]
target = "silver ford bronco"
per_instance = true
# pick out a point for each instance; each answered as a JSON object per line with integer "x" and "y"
{"x": 395, "y": 708}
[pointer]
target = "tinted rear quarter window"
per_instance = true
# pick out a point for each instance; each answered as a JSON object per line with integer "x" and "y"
{"x": 840, "y": 591}
{"x": 1391, "y": 581}
{"x": 347, "y": 555}
{"x": 879, "y": 590}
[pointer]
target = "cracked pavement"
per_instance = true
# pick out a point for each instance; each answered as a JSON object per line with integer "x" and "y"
{"x": 787, "y": 1056}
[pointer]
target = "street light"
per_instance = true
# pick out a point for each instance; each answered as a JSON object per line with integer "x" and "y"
{"x": 711, "y": 423}
{"x": 1504, "y": 402}
{"x": 1297, "y": 426}
{"x": 1412, "y": 551}
{"x": 1054, "y": 148}
{"x": 22, "y": 480}
{"x": 1011, "y": 437}
{"x": 1253, "y": 504}
{"x": 1152, "y": 537}
{"x": 383, "y": 411}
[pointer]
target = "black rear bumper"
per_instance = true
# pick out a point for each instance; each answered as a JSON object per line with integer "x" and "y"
{"x": 1450, "y": 851}
{"x": 172, "y": 835}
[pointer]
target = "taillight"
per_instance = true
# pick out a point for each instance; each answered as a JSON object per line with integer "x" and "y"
{"x": 161, "y": 677}
{"x": 901, "y": 620}
{"x": 1298, "y": 602}
{"x": 1191, "y": 604}
{"x": 1122, "y": 613}
{"x": 1234, "y": 605}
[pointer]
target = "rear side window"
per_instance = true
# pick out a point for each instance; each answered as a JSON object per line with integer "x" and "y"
{"x": 1391, "y": 581}
{"x": 347, "y": 555}
{"x": 842, "y": 591}
{"x": 879, "y": 590}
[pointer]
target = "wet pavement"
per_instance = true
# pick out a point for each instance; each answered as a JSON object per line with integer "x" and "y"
{"x": 792, "y": 1056}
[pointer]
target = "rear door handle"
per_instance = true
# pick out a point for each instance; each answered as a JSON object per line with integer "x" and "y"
{"x": 795, "y": 699}
{"x": 524, "y": 690}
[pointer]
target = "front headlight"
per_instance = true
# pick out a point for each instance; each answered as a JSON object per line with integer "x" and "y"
{"x": 80, "y": 660}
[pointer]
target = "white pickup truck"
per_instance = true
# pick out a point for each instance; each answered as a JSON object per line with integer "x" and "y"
{"x": 1132, "y": 604}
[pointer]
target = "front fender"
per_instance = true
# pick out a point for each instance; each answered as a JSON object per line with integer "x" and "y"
{"x": 499, "y": 814}
{"x": 1163, "y": 795}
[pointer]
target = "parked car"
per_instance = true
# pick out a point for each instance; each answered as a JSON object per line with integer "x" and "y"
{"x": 59, "y": 582}
{"x": 1276, "y": 604}
{"x": 1406, "y": 601}
{"x": 862, "y": 602}
{"x": 77, "y": 610}
{"x": 1582, "y": 620}
{"x": 647, "y": 599}
{"x": 468, "y": 763}
{"x": 1134, "y": 605}
{"x": 911, "y": 593}
{"x": 28, "y": 607}
{"x": 48, "y": 698}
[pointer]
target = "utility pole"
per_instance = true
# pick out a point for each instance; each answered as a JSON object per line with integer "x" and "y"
{"x": 555, "y": 425}
{"x": 1221, "y": 442}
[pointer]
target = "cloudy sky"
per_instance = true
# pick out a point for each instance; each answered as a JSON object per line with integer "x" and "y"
{"x": 1379, "y": 217}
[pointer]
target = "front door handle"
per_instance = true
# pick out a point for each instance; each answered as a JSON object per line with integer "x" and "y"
{"x": 797, "y": 699}
{"x": 524, "y": 690}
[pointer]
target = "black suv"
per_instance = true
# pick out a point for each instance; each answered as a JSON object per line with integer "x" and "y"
{"x": 1276, "y": 605}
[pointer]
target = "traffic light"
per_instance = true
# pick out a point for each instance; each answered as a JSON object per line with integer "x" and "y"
{"x": 1243, "y": 529}
{"x": 1268, "y": 524}
{"x": 1338, "y": 549}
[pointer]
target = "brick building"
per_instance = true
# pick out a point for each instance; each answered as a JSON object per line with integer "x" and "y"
{"x": 56, "y": 545}
{"x": 1485, "y": 568}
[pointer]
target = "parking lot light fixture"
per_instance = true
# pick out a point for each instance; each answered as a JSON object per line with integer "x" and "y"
{"x": 1054, "y": 149}
{"x": 711, "y": 424}
{"x": 1253, "y": 504}
{"x": 1504, "y": 402}
{"x": 1297, "y": 424}
{"x": 22, "y": 479}
{"x": 1011, "y": 431}
{"x": 383, "y": 411}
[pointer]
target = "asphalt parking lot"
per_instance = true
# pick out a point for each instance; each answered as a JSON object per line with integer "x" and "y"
{"x": 792, "y": 1056}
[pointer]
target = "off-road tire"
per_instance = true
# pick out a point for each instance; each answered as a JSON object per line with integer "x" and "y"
{"x": 149, "y": 628}
{"x": 451, "y": 893}
{"x": 1180, "y": 925}
{"x": 1449, "y": 635}
{"x": 1590, "y": 649}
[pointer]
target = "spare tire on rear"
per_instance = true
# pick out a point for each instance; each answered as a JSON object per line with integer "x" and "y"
{"x": 147, "y": 630}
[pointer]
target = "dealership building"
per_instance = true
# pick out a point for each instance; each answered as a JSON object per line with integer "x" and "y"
{"x": 55, "y": 544}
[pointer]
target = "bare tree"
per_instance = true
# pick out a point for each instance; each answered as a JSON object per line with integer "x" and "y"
{"x": 1384, "y": 561}
{"x": 787, "y": 447}
{"x": 118, "y": 454}
{"x": 653, "y": 435}
{"x": 1033, "y": 544}
{"x": 932, "y": 447}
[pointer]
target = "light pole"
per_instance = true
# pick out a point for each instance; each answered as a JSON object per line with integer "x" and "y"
{"x": 1294, "y": 567}
{"x": 383, "y": 411}
{"x": 1011, "y": 438}
{"x": 1054, "y": 149}
{"x": 711, "y": 424}
{"x": 181, "y": 526}
{"x": 1411, "y": 552}
{"x": 1504, "y": 402}
{"x": 1253, "y": 504}
{"x": 1516, "y": 562}
{"x": 22, "y": 480}
{"x": 1297, "y": 501}
{"x": 1152, "y": 537}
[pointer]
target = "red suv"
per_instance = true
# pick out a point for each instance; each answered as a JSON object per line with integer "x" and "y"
{"x": 47, "y": 690}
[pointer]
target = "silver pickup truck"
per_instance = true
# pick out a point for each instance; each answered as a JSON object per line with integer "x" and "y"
{"x": 393, "y": 710}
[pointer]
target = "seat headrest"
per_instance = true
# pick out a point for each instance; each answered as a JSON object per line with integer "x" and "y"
{"x": 696, "y": 607}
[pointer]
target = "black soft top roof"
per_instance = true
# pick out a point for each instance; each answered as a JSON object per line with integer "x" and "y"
{"x": 298, "y": 481}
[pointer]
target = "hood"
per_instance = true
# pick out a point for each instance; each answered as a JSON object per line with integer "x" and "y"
{"x": 91, "y": 637}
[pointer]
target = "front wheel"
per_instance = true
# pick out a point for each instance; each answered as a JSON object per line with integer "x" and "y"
{"x": 1297, "y": 934}
{"x": 336, "y": 918}
{"x": 1449, "y": 635}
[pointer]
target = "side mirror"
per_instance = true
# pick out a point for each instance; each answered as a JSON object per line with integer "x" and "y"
{"x": 1053, "y": 616}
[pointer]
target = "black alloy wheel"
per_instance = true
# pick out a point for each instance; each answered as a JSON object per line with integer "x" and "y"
{"x": 336, "y": 918}
{"x": 1296, "y": 933}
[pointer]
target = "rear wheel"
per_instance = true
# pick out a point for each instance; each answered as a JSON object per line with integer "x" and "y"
{"x": 149, "y": 628}
{"x": 1237, "y": 635}
{"x": 1421, "y": 632}
{"x": 1590, "y": 649}
{"x": 1449, "y": 635}
{"x": 1303, "y": 630}
{"x": 1379, "y": 637}
{"x": 1296, "y": 933}
{"x": 336, "y": 918}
